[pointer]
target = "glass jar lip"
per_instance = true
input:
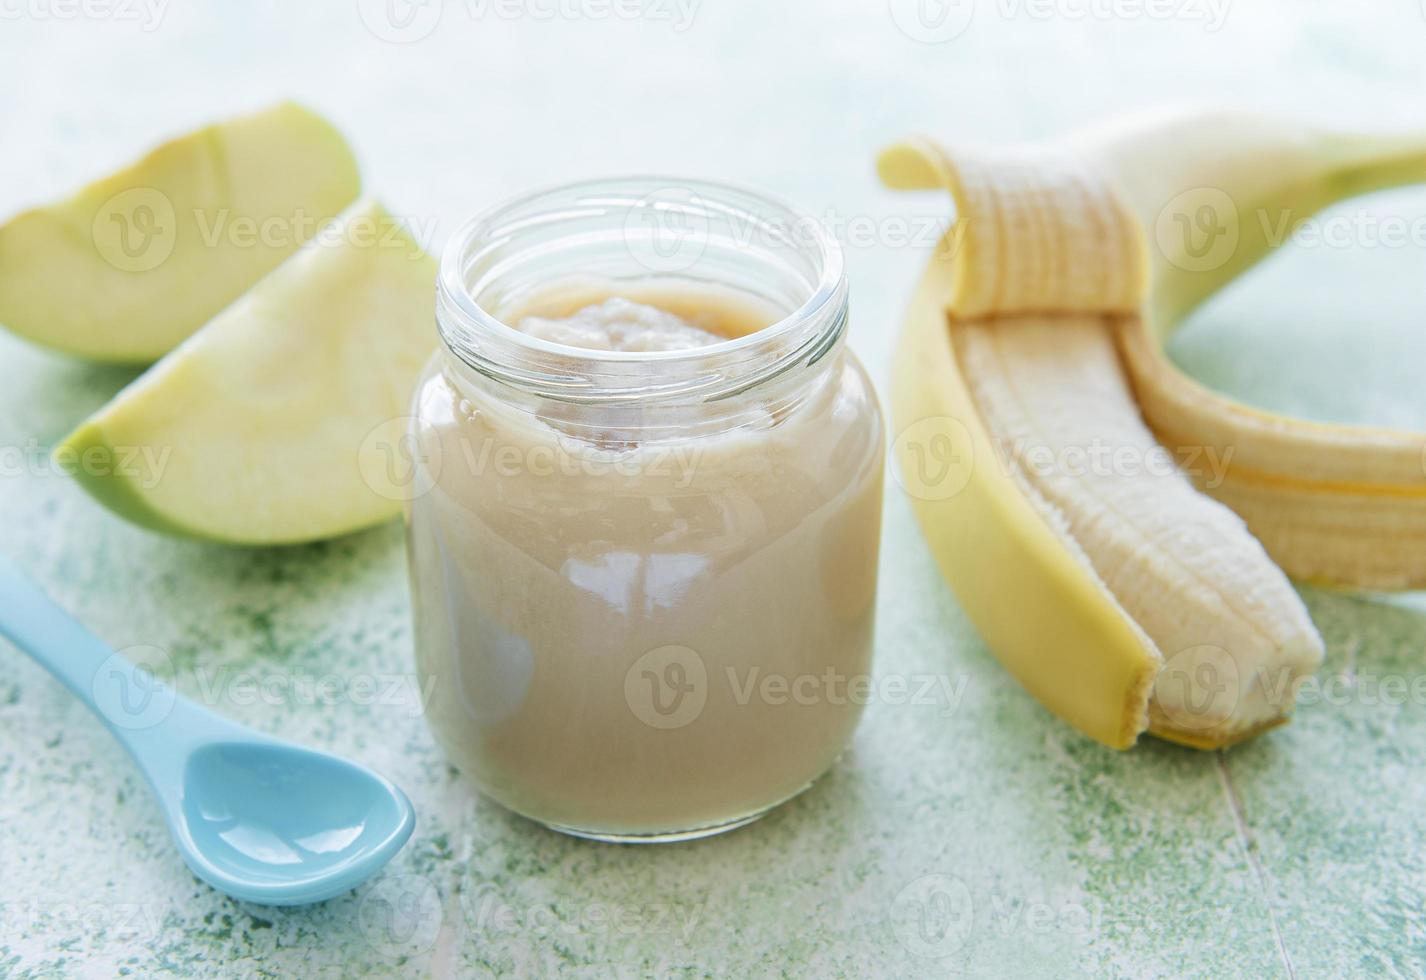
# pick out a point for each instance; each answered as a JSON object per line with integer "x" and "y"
{"x": 830, "y": 290}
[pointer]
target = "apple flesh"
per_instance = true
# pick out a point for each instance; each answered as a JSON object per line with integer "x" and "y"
{"x": 135, "y": 262}
{"x": 265, "y": 426}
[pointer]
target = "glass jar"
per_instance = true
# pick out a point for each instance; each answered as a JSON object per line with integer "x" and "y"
{"x": 644, "y": 583}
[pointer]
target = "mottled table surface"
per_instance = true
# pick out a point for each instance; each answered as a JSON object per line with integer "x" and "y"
{"x": 1300, "y": 854}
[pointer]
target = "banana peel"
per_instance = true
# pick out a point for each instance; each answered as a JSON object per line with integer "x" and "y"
{"x": 1024, "y": 589}
{"x": 1133, "y": 225}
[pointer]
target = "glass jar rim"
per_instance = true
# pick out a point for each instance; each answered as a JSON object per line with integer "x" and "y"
{"x": 483, "y": 341}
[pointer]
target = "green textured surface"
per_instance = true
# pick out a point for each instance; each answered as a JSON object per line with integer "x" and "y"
{"x": 1301, "y": 854}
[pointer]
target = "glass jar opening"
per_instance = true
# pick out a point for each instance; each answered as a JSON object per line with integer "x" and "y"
{"x": 637, "y": 233}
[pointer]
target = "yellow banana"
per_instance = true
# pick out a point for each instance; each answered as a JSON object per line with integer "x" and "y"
{"x": 1032, "y": 357}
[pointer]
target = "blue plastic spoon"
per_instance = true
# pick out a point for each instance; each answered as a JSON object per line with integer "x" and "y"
{"x": 257, "y": 818}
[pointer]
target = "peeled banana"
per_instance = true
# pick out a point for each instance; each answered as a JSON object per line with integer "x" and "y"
{"x": 1051, "y": 448}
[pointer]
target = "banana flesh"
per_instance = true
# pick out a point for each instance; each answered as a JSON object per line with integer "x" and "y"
{"x": 1124, "y": 599}
{"x": 1179, "y": 564}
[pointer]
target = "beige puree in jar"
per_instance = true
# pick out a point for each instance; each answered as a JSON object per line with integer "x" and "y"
{"x": 629, "y": 638}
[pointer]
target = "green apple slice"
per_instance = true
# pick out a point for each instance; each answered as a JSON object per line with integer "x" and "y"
{"x": 259, "y": 429}
{"x": 131, "y": 264}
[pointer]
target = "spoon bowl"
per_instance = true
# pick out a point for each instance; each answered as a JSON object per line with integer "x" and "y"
{"x": 281, "y": 825}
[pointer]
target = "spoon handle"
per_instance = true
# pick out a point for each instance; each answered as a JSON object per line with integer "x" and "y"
{"x": 130, "y": 700}
{"x": 35, "y": 624}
